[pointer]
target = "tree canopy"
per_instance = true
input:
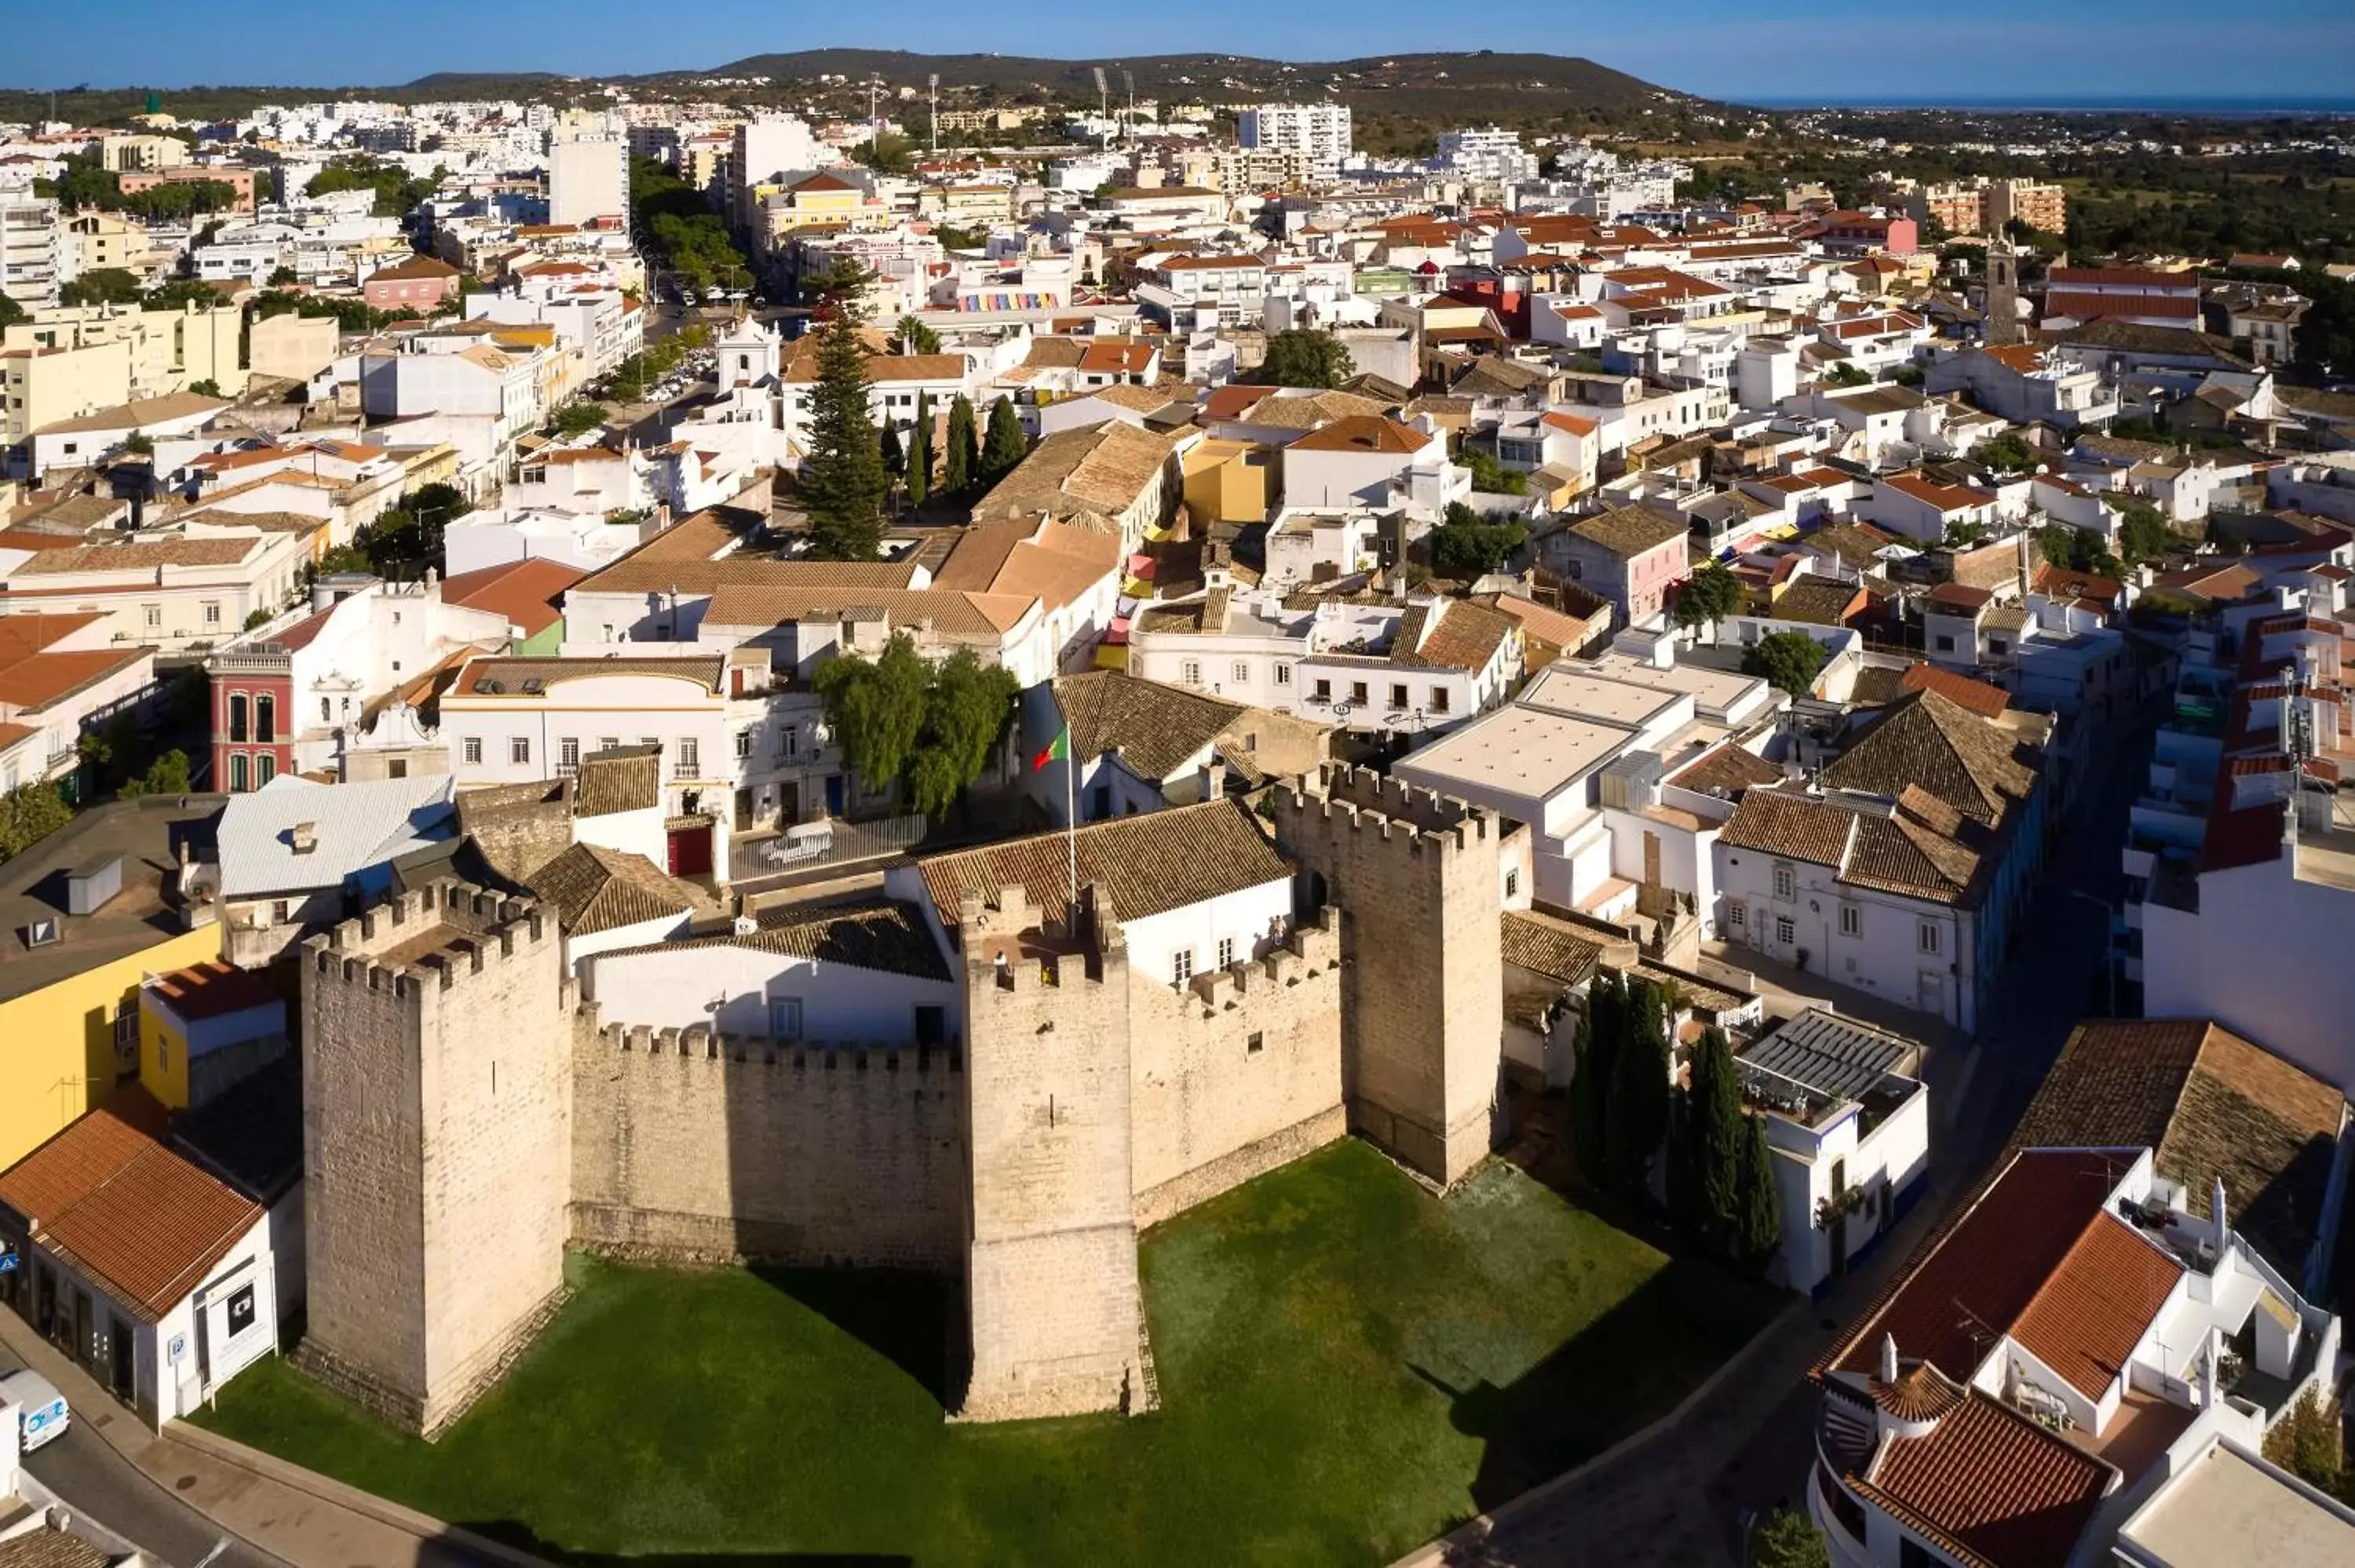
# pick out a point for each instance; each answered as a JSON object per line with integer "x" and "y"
{"x": 843, "y": 482}
{"x": 1304, "y": 357}
{"x": 396, "y": 189}
{"x": 2075, "y": 549}
{"x": 580, "y": 419}
{"x": 1788, "y": 1540}
{"x": 1466, "y": 547}
{"x": 932, "y": 727}
{"x": 1006, "y": 445}
{"x": 28, "y": 814}
{"x": 961, "y": 461}
{"x": 1788, "y": 660}
{"x": 913, "y": 336}
{"x": 1708, "y": 596}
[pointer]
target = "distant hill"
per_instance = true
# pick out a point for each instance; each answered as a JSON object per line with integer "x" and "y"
{"x": 1411, "y": 83}
{"x": 444, "y": 80}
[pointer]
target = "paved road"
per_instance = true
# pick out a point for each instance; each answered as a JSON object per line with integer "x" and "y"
{"x": 102, "y": 1485}
{"x": 1675, "y": 1501}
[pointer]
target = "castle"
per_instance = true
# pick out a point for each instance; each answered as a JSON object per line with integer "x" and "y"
{"x": 471, "y": 1110}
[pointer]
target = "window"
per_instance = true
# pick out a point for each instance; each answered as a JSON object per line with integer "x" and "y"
{"x": 1190, "y": 671}
{"x": 1323, "y": 693}
{"x": 237, "y": 712}
{"x": 1737, "y": 918}
{"x": 1851, "y": 920}
{"x": 1100, "y": 802}
{"x": 471, "y": 749}
{"x": 1398, "y": 697}
{"x": 1928, "y": 938}
{"x": 238, "y": 782}
{"x": 689, "y": 762}
{"x": 1226, "y": 952}
{"x": 568, "y": 753}
{"x": 1785, "y": 884}
{"x": 241, "y": 1312}
{"x": 265, "y": 768}
{"x": 743, "y": 743}
{"x": 265, "y": 719}
{"x": 1182, "y": 965}
{"x": 785, "y": 1017}
{"x": 1283, "y": 674}
{"x": 518, "y": 749}
{"x": 1439, "y": 699}
{"x": 326, "y": 711}
{"x": 1358, "y": 692}
{"x": 163, "y": 1052}
{"x": 608, "y": 741}
{"x": 212, "y": 612}
{"x": 1945, "y": 644}
{"x": 154, "y": 614}
{"x": 1252, "y": 1042}
{"x": 789, "y": 740}
{"x": 1783, "y": 930}
{"x": 1242, "y": 674}
{"x": 1512, "y": 881}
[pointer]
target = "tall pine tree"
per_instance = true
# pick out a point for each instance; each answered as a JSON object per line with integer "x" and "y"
{"x": 1758, "y": 1236}
{"x": 843, "y": 482}
{"x": 1590, "y": 1085}
{"x": 1705, "y": 1169}
{"x": 895, "y": 458}
{"x": 1639, "y": 1094}
{"x": 920, "y": 452}
{"x": 1006, "y": 445}
{"x": 962, "y": 460}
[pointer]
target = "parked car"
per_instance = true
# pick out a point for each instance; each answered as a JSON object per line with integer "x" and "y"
{"x": 41, "y": 1414}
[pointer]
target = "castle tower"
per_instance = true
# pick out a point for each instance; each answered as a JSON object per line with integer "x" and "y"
{"x": 437, "y": 1146}
{"x": 2003, "y": 292}
{"x": 1419, "y": 878}
{"x": 1053, "y": 1311}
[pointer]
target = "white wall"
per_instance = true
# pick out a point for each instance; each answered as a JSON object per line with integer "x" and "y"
{"x": 1248, "y": 918}
{"x": 2264, "y": 956}
{"x": 675, "y": 987}
{"x": 1884, "y": 959}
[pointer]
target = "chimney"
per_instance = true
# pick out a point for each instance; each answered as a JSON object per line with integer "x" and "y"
{"x": 304, "y": 838}
{"x": 1213, "y": 777}
{"x": 2216, "y": 1214}
{"x": 1889, "y": 1357}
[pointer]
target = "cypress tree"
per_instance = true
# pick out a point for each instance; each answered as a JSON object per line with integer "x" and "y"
{"x": 1718, "y": 1140}
{"x": 920, "y": 452}
{"x": 1590, "y": 1087}
{"x": 1758, "y": 1236}
{"x": 843, "y": 482}
{"x": 962, "y": 460}
{"x": 1639, "y": 1094}
{"x": 1006, "y": 444}
{"x": 895, "y": 461}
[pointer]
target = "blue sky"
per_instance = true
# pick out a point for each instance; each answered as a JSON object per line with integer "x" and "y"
{"x": 1839, "y": 50}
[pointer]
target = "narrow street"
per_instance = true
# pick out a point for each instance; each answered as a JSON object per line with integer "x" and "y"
{"x": 95, "y": 1480}
{"x": 1679, "y": 1498}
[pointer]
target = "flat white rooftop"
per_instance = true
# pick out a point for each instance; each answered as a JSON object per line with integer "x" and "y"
{"x": 1523, "y": 751}
{"x": 2227, "y": 1511}
{"x": 1572, "y": 691}
{"x": 1722, "y": 694}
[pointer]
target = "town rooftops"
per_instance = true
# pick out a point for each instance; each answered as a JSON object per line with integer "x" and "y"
{"x": 1363, "y": 433}
{"x": 888, "y": 935}
{"x": 137, "y": 413}
{"x": 1629, "y": 531}
{"x": 1157, "y": 728}
{"x": 1929, "y": 742}
{"x": 1992, "y": 1486}
{"x": 212, "y": 990}
{"x": 1146, "y": 864}
{"x": 418, "y": 268}
{"x": 1833, "y": 1055}
{"x": 1546, "y": 946}
{"x": 596, "y": 889}
{"x": 143, "y": 556}
{"x": 521, "y": 679}
{"x": 295, "y": 835}
{"x": 147, "y": 835}
{"x": 1103, "y": 470}
{"x": 528, "y": 592}
{"x": 2210, "y": 1105}
{"x": 618, "y": 779}
{"x": 113, "y": 1201}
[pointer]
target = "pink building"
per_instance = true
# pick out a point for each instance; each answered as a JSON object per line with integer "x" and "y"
{"x": 421, "y": 283}
{"x": 131, "y": 181}
{"x": 1632, "y": 555}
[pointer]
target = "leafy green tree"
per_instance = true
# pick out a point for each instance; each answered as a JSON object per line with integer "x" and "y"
{"x": 886, "y": 444}
{"x": 178, "y": 293}
{"x": 1787, "y": 1539}
{"x": 1788, "y": 660}
{"x": 139, "y": 444}
{"x": 207, "y": 387}
{"x": 913, "y": 336}
{"x": 876, "y": 708}
{"x": 967, "y": 706}
{"x": 1847, "y": 374}
{"x": 167, "y": 775}
{"x": 2075, "y": 549}
{"x": 1304, "y": 357}
{"x": 2006, "y": 453}
{"x": 10, "y": 313}
{"x": 1705, "y": 1172}
{"x": 580, "y": 419}
{"x": 102, "y": 286}
{"x": 2307, "y": 1442}
{"x": 1006, "y": 445}
{"x": 1708, "y": 596}
{"x": 2142, "y": 532}
{"x": 346, "y": 558}
{"x": 1758, "y": 1233}
{"x": 1596, "y": 1045}
{"x": 1466, "y": 547}
{"x": 1490, "y": 475}
{"x": 920, "y": 452}
{"x": 1965, "y": 532}
{"x": 85, "y": 183}
{"x": 283, "y": 278}
{"x": 843, "y": 480}
{"x": 961, "y": 463}
{"x": 28, "y": 814}
{"x": 1639, "y": 1093}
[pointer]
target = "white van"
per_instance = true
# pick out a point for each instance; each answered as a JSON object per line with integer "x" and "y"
{"x": 42, "y": 1413}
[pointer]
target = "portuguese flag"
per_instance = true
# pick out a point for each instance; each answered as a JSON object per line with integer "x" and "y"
{"x": 1057, "y": 749}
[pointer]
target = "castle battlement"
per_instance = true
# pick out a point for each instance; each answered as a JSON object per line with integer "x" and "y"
{"x": 1310, "y": 950}
{"x": 441, "y": 933}
{"x": 1006, "y": 943}
{"x": 1388, "y": 807}
{"x": 699, "y": 1042}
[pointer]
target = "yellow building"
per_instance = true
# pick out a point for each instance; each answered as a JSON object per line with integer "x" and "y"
{"x": 203, "y": 1028}
{"x": 69, "y": 1003}
{"x": 103, "y": 241}
{"x": 72, "y": 360}
{"x": 1226, "y": 482}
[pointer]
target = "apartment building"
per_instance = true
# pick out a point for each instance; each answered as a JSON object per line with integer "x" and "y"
{"x": 36, "y": 258}
{"x": 1321, "y": 130}
{"x": 172, "y": 594}
{"x": 588, "y": 179}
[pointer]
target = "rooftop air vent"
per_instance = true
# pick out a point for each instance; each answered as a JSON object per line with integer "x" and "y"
{"x": 304, "y": 838}
{"x": 89, "y": 885}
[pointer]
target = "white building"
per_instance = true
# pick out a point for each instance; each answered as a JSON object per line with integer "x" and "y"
{"x": 34, "y": 249}
{"x": 588, "y": 179}
{"x": 1489, "y": 156}
{"x": 1319, "y": 131}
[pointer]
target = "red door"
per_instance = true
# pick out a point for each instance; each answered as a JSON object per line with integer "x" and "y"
{"x": 690, "y": 850}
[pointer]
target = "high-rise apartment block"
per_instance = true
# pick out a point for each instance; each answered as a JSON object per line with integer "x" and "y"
{"x": 1319, "y": 130}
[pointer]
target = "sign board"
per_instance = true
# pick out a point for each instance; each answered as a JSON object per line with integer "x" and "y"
{"x": 177, "y": 1349}
{"x": 7, "y": 1262}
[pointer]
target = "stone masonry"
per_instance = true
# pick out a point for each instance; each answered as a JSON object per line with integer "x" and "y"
{"x": 437, "y": 1106}
{"x": 1419, "y": 880}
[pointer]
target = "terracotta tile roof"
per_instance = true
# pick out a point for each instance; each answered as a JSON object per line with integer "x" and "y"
{"x": 1929, "y": 740}
{"x": 1992, "y": 1486}
{"x": 1053, "y": 561}
{"x": 987, "y": 616}
{"x": 2210, "y": 1104}
{"x": 1159, "y": 728}
{"x": 888, "y": 935}
{"x": 139, "y": 411}
{"x": 1147, "y": 864}
{"x": 34, "y": 684}
{"x": 1543, "y": 626}
{"x": 108, "y": 1198}
{"x": 1306, "y": 410}
{"x": 1629, "y": 531}
{"x": 1233, "y": 402}
{"x": 1365, "y": 433}
{"x": 1547, "y": 947}
{"x": 529, "y": 593}
{"x": 1791, "y": 826}
{"x": 1726, "y": 771}
{"x": 143, "y": 556}
{"x": 2079, "y": 305}
{"x": 1819, "y": 601}
{"x": 1468, "y": 637}
{"x": 428, "y": 268}
{"x": 1944, "y": 497}
{"x": 598, "y": 889}
{"x": 49, "y": 1547}
{"x": 2095, "y": 1307}
{"x": 1101, "y": 470}
{"x": 1980, "y": 697}
{"x": 1912, "y": 854}
{"x": 700, "y": 553}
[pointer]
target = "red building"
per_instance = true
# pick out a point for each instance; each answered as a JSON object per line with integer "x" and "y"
{"x": 253, "y": 717}
{"x": 1860, "y": 234}
{"x": 421, "y": 283}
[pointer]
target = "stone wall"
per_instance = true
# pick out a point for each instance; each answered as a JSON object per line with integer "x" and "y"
{"x": 1236, "y": 1075}
{"x": 1419, "y": 877}
{"x": 699, "y": 1147}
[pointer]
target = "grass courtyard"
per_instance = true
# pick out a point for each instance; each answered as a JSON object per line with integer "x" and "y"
{"x": 1347, "y": 1365}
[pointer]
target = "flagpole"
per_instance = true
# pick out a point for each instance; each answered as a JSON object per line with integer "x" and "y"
{"x": 1072, "y": 828}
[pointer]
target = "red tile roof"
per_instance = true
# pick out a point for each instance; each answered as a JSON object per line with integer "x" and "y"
{"x": 1992, "y": 1486}
{"x": 212, "y": 990}
{"x": 526, "y": 592}
{"x": 1984, "y": 700}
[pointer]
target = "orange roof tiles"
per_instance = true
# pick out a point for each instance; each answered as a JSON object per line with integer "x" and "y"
{"x": 1992, "y": 1486}
{"x": 1362, "y": 433}
{"x": 528, "y": 592}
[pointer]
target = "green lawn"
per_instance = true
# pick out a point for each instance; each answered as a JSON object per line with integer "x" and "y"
{"x": 1347, "y": 1365}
